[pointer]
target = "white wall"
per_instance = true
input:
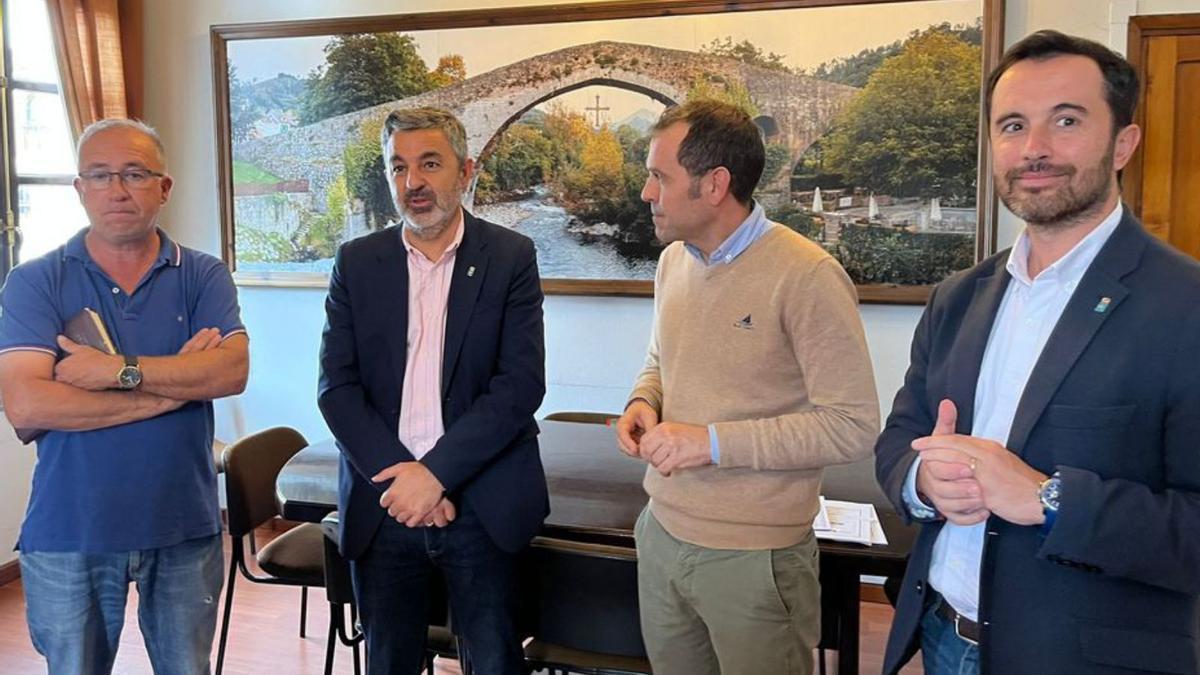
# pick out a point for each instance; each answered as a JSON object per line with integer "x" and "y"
{"x": 595, "y": 344}
{"x": 14, "y": 488}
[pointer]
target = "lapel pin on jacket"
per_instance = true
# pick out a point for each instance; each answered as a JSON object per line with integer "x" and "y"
{"x": 471, "y": 272}
{"x": 1102, "y": 306}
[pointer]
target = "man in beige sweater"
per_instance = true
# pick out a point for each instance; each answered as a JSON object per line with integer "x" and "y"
{"x": 757, "y": 376}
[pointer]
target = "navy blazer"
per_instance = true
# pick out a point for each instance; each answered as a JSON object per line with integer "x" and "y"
{"x": 493, "y": 380}
{"x": 1113, "y": 403}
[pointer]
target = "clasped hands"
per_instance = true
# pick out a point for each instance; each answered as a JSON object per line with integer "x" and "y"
{"x": 968, "y": 478}
{"x": 667, "y": 446}
{"x": 416, "y": 497}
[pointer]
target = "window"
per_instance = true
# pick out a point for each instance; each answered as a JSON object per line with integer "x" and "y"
{"x": 42, "y": 163}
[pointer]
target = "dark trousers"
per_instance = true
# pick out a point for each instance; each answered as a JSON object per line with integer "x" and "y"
{"x": 392, "y": 581}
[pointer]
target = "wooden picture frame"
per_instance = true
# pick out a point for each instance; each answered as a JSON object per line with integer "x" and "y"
{"x": 610, "y": 65}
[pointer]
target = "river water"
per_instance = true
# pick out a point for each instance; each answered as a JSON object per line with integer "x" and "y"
{"x": 561, "y": 254}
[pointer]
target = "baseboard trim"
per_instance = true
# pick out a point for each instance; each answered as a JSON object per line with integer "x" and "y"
{"x": 10, "y": 571}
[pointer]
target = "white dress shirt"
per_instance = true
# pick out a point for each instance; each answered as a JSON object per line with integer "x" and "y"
{"x": 1028, "y": 314}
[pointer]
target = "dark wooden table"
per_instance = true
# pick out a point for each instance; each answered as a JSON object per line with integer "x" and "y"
{"x": 596, "y": 495}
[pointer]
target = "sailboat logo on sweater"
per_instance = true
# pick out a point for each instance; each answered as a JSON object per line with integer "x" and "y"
{"x": 745, "y": 324}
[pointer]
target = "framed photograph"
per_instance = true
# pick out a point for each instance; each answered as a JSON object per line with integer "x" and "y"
{"x": 870, "y": 113}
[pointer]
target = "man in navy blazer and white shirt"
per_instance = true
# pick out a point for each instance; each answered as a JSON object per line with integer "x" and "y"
{"x": 1047, "y": 436}
{"x": 432, "y": 366}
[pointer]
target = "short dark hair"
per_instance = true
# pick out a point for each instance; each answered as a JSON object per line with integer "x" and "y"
{"x": 719, "y": 134}
{"x": 1120, "y": 80}
{"x": 416, "y": 119}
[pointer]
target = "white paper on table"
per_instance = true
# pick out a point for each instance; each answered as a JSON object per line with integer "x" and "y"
{"x": 848, "y": 521}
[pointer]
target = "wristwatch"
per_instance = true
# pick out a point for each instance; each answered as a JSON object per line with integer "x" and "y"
{"x": 130, "y": 375}
{"x": 1049, "y": 494}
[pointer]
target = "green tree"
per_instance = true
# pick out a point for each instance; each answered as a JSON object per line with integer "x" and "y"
{"x": 777, "y": 158}
{"x": 797, "y": 220}
{"x": 521, "y": 159}
{"x": 746, "y": 52}
{"x": 912, "y": 130}
{"x": 319, "y": 235}
{"x": 856, "y": 70}
{"x": 366, "y": 181}
{"x": 880, "y": 255}
{"x": 362, "y": 70}
{"x": 243, "y": 112}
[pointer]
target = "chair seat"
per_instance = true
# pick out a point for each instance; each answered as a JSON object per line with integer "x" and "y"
{"x": 296, "y": 555}
{"x": 441, "y": 641}
{"x": 578, "y": 660}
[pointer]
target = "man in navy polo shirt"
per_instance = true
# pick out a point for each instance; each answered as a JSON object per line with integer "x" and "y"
{"x": 124, "y": 489}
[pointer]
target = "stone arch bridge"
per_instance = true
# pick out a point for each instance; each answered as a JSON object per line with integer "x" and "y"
{"x": 802, "y": 107}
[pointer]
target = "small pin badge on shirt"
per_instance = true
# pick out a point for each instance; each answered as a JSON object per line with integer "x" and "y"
{"x": 1102, "y": 306}
{"x": 471, "y": 271}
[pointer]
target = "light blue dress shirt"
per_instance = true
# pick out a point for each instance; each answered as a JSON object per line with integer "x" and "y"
{"x": 1028, "y": 313}
{"x": 751, "y": 229}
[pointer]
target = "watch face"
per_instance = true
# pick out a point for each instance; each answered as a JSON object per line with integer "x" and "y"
{"x": 129, "y": 377}
{"x": 1051, "y": 493}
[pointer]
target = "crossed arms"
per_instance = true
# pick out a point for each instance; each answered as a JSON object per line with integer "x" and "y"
{"x": 77, "y": 393}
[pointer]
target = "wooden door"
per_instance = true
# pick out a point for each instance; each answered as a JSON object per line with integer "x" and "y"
{"x": 1162, "y": 182}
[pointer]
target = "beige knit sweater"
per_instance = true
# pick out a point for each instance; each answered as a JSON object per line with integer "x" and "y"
{"x": 770, "y": 348}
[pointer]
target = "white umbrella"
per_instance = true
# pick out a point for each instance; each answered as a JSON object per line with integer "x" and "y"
{"x": 935, "y": 210}
{"x": 872, "y": 208}
{"x": 817, "y": 206}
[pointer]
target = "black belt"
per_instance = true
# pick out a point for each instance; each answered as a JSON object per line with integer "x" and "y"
{"x": 963, "y": 627}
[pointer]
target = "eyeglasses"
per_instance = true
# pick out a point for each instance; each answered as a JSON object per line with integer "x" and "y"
{"x": 134, "y": 179}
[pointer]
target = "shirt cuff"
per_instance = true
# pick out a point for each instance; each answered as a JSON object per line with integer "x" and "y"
{"x": 916, "y": 507}
{"x": 714, "y": 444}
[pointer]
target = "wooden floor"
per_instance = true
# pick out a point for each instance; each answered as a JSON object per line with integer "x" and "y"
{"x": 264, "y": 635}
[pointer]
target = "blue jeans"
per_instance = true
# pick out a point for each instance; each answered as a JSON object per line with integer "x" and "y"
{"x": 76, "y": 605}
{"x": 392, "y": 581}
{"x": 943, "y": 652}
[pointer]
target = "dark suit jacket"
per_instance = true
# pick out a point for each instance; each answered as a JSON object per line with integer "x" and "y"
{"x": 493, "y": 380}
{"x": 1114, "y": 404}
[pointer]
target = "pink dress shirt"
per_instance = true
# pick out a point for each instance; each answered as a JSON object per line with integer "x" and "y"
{"x": 428, "y": 294}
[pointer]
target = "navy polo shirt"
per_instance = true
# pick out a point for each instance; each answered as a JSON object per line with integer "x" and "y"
{"x": 135, "y": 486}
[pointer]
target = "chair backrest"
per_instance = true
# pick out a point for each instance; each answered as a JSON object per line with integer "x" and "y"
{"x": 339, "y": 588}
{"x": 581, "y": 416}
{"x": 251, "y": 466}
{"x": 585, "y": 596}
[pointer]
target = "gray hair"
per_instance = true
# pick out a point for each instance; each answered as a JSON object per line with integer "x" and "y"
{"x": 121, "y": 123}
{"x": 413, "y": 119}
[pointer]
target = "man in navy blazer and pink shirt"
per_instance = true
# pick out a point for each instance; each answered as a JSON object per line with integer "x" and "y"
{"x": 432, "y": 366}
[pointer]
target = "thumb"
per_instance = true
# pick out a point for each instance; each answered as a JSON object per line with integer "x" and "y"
{"x": 386, "y": 474}
{"x": 67, "y": 344}
{"x": 947, "y": 418}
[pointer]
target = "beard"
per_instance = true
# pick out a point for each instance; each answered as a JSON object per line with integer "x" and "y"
{"x": 1083, "y": 194}
{"x": 428, "y": 222}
